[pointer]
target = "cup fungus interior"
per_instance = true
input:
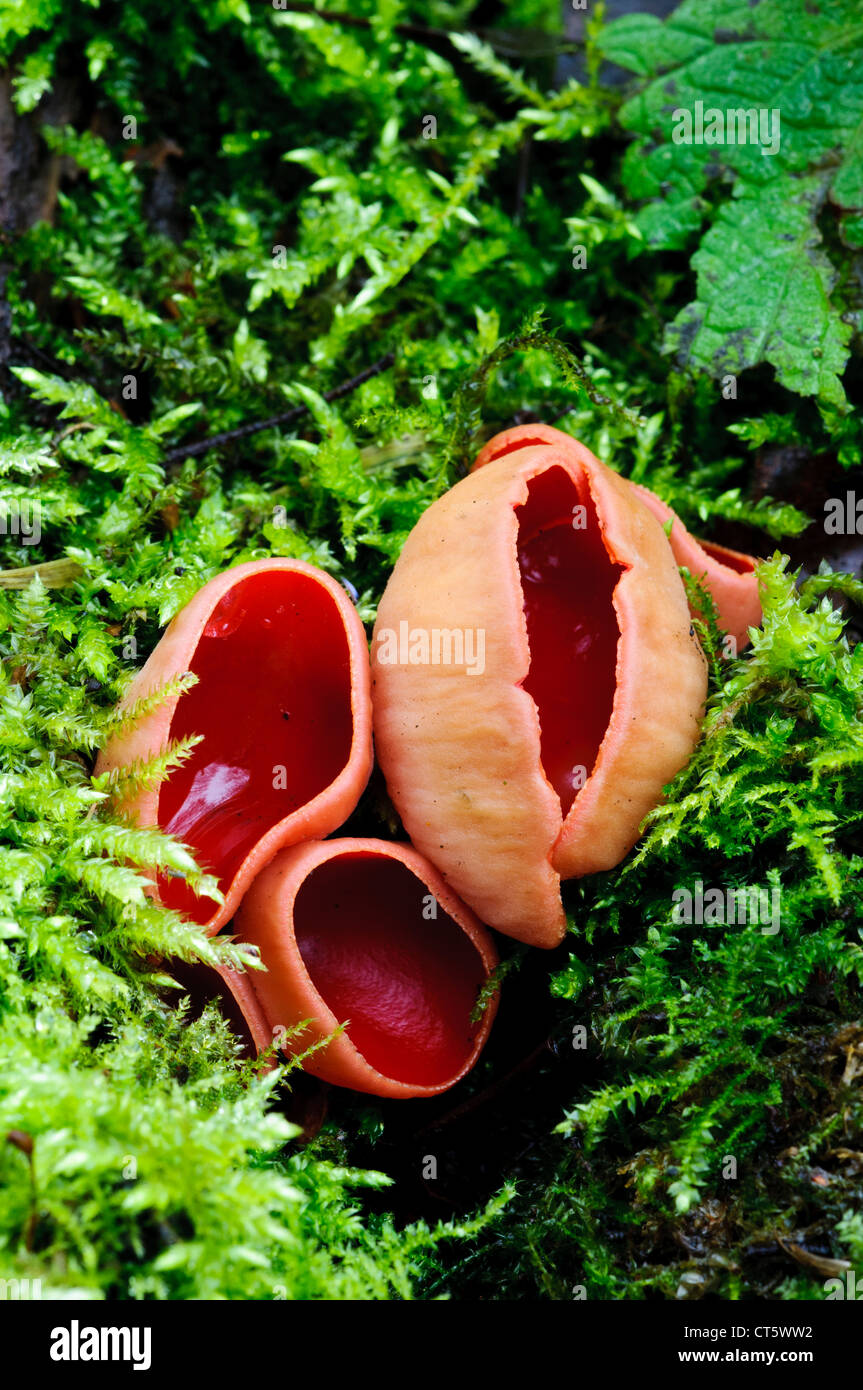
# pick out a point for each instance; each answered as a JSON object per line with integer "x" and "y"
{"x": 273, "y": 703}
{"x": 406, "y": 981}
{"x": 568, "y": 582}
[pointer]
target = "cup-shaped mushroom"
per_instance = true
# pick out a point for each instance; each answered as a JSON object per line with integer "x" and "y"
{"x": 282, "y": 705}
{"x": 536, "y": 681}
{"x": 728, "y": 575}
{"x": 367, "y": 934}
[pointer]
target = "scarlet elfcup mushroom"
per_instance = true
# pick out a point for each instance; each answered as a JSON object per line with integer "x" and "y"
{"x": 366, "y": 932}
{"x": 538, "y": 761}
{"x": 729, "y": 575}
{"x": 282, "y": 702}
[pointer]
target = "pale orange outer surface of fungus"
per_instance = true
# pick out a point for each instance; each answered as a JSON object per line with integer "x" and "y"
{"x": 461, "y": 752}
{"x": 265, "y": 634}
{"x": 729, "y": 575}
{"x": 346, "y": 932}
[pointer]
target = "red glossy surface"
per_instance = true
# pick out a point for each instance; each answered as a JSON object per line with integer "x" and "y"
{"x": 406, "y": 984}
{"x": 273, "y": 691}
{"x": 567, "y": 581}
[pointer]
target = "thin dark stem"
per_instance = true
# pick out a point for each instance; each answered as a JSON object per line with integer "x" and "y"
{"x": 287, "y": 417}
{"x": 62, "y": 369}
{"x": 524, "y": 153}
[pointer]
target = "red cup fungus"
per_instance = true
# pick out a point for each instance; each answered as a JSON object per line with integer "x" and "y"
{"x": 729, "y": 575}
{"x": 538, "y": 762}
{"x": 282, "y": 702}
{"x": 365, "y": 933}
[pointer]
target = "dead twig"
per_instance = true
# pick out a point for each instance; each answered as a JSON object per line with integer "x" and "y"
{"x": 54, "y": 574}
{"x": 287, "y": 417}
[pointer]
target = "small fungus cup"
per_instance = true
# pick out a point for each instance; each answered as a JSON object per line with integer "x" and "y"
{"x": 536, "y": 682}
{"x": 283, "y": 706}
{"x": 365, "y": 933}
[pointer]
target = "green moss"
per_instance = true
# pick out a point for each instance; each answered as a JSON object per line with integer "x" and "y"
{"x": 155, "y": 309}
